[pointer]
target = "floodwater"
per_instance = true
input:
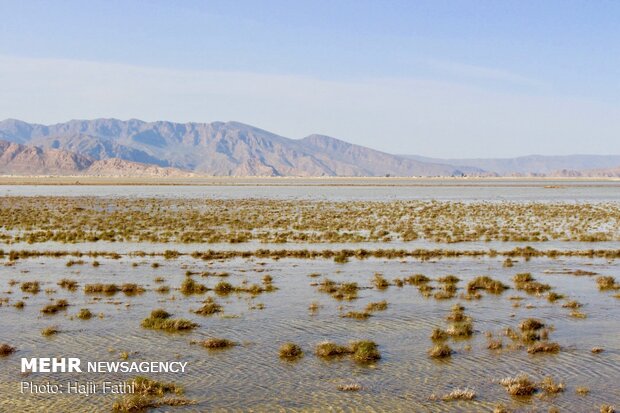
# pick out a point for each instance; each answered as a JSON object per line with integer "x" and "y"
{"x": 251, "y": 377}
{"x": 351, "y": 190}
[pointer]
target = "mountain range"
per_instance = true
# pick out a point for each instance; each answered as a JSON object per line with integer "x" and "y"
{"x": 134, "y": 147}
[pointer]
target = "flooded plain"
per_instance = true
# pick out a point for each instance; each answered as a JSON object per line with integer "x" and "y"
{"x": 260, "y": 302}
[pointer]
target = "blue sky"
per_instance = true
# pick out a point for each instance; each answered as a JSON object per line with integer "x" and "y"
{"x": 437, "y": 78}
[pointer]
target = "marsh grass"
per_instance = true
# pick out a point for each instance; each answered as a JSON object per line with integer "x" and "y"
{"x": 520, "y": 385}
{"x": 606, "y": 283}
{"x": 209, "y": 307}
{"x": 543, "y": 347}
{"x": 358, "y": 315}
{"x": 108, "y": 289}
{"x": 456, "y": 395}
{"x": 32, "y": 287}
{"x": 290, "y": 351}
{"x": 364, "y": 351}
{"x": 350, "y": 387}
{"x": 84, "y": 314}
{"x": 189, "y": 286}
{"x": 6, "y": 350}
{"x": 339, "y": 291}
{"x": 59, "y": 305}
{"x": 50, "y": 331}
{"x": 150, "y": 393}
{"x": 161, "y": 320}
{"x": 214, "y": 343}
{"x": 487, "y": 284}
{"x": 440, "y": 351}
{"x": 377, "y": 306}
{"x": 68, "y": 284}
{"x": 550, "y": 387}
{"x": 525, "y": 282}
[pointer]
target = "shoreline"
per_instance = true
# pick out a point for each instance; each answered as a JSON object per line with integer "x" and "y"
{"x": 306, "y": 181}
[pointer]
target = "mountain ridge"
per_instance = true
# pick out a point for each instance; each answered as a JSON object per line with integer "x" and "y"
{"x": 237, "y": 149}
{"x": 219, "y": 148}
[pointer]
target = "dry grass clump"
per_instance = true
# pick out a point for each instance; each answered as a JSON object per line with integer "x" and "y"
{"x": 531, "y": 324}
{"x": 495, "y": 344}
{"x": 350, "y": 387}
{"x": 290, "y": 351}
{"x": 358, "y": 315}
{"x": 380, "y": 282}
{"x": 525, "y": 282}
{"x": 549, "y": 386}
{"x": 32, "y": 287}
{"x": 108, "y": 289}
{"x": 582, "y": 390}
{"x": 6, "y": 349}
{"x": 552, "y": 297}
{"x": 340, "y": 291}
{"x": 84, "y": 314}
{"x": 572, "y": 304}
{"x": 50, "y": 331}
{"x": 209, "y": 307}
{"x": 487, "y": 284}
{"x": 461, "y": 324}
{"x": 607, "y": 283}
{"x": 459, "y": 394}
{"x": 160, "y": 320}
{"x": 417, "y": 279}
{"x": 607, "y": 408}
{"x": 543, "y": 347}
{"x": 189, "y": 286}
{"x": 137, "y": 403}
{"x": 56, "y": 307}
{"x": 131, "y": 289}
{"x": 377, "y": 306}
{"x": 217, "y": 343}
{"x": 597, "y": 350}
{"x": 150, "y": 394}
{"x": 449, "y": 279}
{"x": 446, "y": 292}
{"x": 148, "y": 387}
{"x": 327, "y": 349}
{"x": 521, "y": 385}
{"x": 439, "y": 335}
{"x": 440, "y": 351}
{"x": 68, "y": 284}
{"x": 578, "y": 314}
{"x": 362, "y": 351}
{"x": 19, "y": 304}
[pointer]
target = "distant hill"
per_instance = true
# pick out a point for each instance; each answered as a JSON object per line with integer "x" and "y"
{"x": 18, "y": 159}
{"x": 533, "y": 164}
{"x": 219, "y": 148}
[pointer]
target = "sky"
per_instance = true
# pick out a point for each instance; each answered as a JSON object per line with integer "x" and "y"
{"x": 436, "y": 78}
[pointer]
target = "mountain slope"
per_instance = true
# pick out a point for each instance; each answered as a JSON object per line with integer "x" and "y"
{"x": 219, "y": 148}
{"x": 18, "y": 159}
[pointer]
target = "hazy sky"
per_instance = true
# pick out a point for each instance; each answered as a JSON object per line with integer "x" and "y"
{"x": 437, "y": 78}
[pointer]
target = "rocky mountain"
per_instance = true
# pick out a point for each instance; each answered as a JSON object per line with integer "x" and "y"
{"x": 18, "y": 159}
{"x": 533, "y": 164}
{"x": 220, "y": 148}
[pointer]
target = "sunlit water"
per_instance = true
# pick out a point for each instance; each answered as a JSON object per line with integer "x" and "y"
{"x": 252, "y": 377}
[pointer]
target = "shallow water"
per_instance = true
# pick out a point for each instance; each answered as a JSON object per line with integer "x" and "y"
{"x": 350, "y": 190}
{"x": 251, "y": 377}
